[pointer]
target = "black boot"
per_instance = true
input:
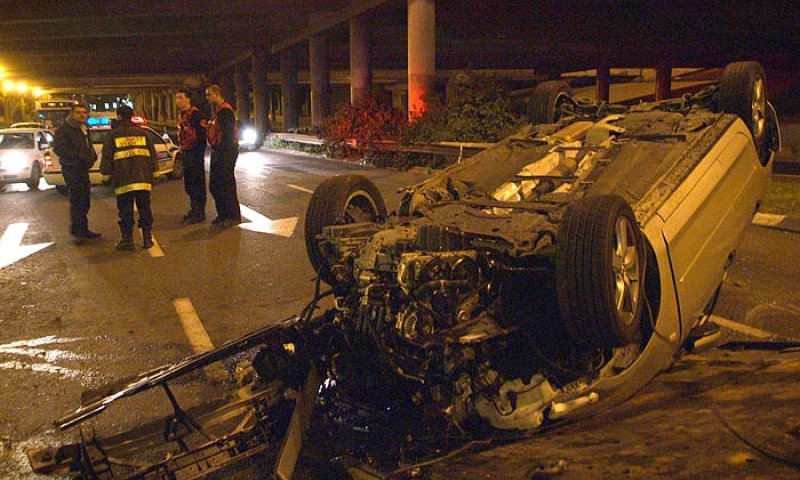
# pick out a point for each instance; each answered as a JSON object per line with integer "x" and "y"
{"x": 126, "y": 242}
{"x": 147, "y": 238}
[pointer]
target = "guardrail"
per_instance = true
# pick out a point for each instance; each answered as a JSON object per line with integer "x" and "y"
{"x": 447, "y": 149}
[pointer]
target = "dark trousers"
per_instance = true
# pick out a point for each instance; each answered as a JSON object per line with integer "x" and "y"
{"x": 194, "y": 180}
{"x": 77, "y": 180}
{"x": 125, "y": 207}
{"x": 222, "y": 183}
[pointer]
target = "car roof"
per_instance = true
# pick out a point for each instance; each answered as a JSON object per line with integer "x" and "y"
{"x": 23, "y": 130}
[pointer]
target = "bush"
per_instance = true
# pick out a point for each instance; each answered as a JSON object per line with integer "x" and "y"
{"x": 355, "y": 129}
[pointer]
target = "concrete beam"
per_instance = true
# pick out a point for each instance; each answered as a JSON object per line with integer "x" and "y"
{"x": 326, "y": 23}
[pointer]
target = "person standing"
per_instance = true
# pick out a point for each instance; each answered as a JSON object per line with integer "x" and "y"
{"x": 192, "y": 140}
{"x": 76, "y": 155}
{"x": 223, "y": 137}
{"x": 129, "y": 156}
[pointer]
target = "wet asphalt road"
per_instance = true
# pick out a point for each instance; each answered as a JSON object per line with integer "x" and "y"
{"x": 75, "y": 317}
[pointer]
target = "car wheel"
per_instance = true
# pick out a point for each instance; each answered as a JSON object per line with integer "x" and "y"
{"x": 62, "y": 189}
{"x": 600, "y": 260}
{"x": 177, "y": 168}
{"x": 36, "y": 175}
{"x": 743, "y": 91}
{"x": 545, "y": 104}
{"x": 337, "y": 201}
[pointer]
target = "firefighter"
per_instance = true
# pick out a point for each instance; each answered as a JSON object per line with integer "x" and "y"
{"x": 129, "y": 156}
{"x": 223, "y": 136}
{"x": 192, "y": 139}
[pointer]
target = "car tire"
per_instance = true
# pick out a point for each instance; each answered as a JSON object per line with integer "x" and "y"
{"x": 339, "y": 200}
{"x": 177, "y": 168}
{"x": 743, "y": 91}
{"x": 36, "y": 175}
{"x": 62, "y": 189}
{"x": 545, "y": 103}
{"x": 600, "y": 258}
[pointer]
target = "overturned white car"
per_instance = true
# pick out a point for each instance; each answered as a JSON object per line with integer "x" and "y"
{"x": 553, "y": 274}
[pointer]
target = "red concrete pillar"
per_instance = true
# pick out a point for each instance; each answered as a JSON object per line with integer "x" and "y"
{"x": 421, "y": 54}
{"x": 260, "y": 92}
{"x": 360, "y": 69}
{"x": 603, "y": 82}
{"x": 320, "y": 80}
{"x": 663, "y": 81}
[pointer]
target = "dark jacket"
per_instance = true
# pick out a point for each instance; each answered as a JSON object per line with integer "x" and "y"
{"x": 73, "y": 147}
{"x": 223, "y": 131}
{"x": 191, "y": 130}
{"x": 130, "y": 158}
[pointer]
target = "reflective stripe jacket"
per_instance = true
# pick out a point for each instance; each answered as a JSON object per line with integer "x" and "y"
{"x": 130, "y": 158}
{"x": 191, "y": 131}
{"x": 223, "y": 130}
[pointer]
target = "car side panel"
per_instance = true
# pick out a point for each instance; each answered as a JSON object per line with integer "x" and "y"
{"x": 705, "y": 217}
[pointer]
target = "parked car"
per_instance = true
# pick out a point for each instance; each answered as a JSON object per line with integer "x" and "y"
{"x": 23, "y": 154}
{"x": 28, "y": 125}
{"x": 170, "y": 161}
{"x": 545, "y": 279}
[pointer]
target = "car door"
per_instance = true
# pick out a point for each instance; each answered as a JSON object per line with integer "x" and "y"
{"x": 705, "y": 217}
{"x": 162, "y": 150}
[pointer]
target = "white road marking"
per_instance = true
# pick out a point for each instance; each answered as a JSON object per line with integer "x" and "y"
{"x": 40, "y": 367}
{"x": 283, "y": 227}
{"x": 742, "y": 328}
{"x": 768, "y": 219}
{"x": 155, "y": 251}
{"x": 44, "y": 358}
{"x": 198, "y": 337}
{"x": 11, "y": 248}
{"x": 296, "y": 187}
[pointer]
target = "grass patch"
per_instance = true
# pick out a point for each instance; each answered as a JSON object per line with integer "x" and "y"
{"x": 781, "y": 198}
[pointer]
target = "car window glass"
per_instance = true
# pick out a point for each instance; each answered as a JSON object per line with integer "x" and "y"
{"x": 98, "y": 136}
{"x": 154, "y": 137}
{"x": 16, "y": 140}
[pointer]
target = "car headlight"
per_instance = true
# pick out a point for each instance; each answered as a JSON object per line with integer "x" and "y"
{"x": 249, "y": 136}
{"x": 14, "y": 161}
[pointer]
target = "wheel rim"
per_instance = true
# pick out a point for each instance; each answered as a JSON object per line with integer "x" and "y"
{"x": 759, "y": 108}
{"x": 560, "y": 100}
{"x": 360, "y": 207}
{"x": 625, "y": 264}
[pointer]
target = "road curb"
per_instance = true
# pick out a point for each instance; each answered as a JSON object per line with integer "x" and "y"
{"x": 786, "y": 223}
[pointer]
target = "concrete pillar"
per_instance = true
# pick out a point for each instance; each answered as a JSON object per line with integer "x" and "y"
{"x": 242, "y": 92}
{"x": 603, "y": 82}
{"x": 663, "y": 81}
{"x": 289, "y": 90}
{"x": 421, "y": 54}
{"x": 226, "y": 85}
{"x": 360, "y": 69}
{"x": 320, "y": 80}
{"x": 260, "y": 90}
{"x": 156, "y": 107}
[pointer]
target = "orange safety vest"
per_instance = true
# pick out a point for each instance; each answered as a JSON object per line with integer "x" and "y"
{"x": 214, "y": 130}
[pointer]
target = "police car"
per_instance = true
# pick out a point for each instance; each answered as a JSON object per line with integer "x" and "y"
{"x": 23, "y": 155}
{"x": 170, "y": 160}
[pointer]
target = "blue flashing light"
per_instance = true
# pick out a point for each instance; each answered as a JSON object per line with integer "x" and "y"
{"x": 98, "y": 121}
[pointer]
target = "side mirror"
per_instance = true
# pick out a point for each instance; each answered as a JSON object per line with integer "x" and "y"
{"x": 166, "y": 138}
{"x": 44, "y": 146}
